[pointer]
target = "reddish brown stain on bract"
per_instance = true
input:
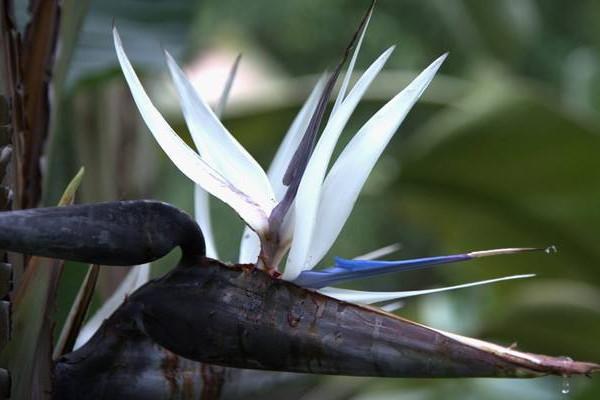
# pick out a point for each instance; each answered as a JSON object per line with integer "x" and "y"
{"x": 170, "y": 367}
{"x": 213, "y": 378}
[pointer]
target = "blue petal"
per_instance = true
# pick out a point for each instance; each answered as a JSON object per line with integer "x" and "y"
{"x": 346, "y": 269}
{"x": 404, "y": 265}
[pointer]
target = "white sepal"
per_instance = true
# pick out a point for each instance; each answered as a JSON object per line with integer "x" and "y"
{"x": 250, "y": 243}
{"x": 350, "y": 171}
{"x": 201, "y": 199}
{"x": 202, "y": 214}
{"x": 350, "y": 69}
{"x": 292, "y": 139}
{"x": 380, "y": 252}
{"x": 309, "y": 191}
{"x": 393, "y": 306}
{"x": 216, "y": 145}
{"x": 364, "y": 297}
{"x": 249, "y": 247}
{"x": 136, "y": 277}
{"x": 220, "y": 107}
{"x": 188, "y": 161}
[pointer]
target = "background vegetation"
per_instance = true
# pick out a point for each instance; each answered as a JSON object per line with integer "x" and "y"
{"x": 502, "y": 151}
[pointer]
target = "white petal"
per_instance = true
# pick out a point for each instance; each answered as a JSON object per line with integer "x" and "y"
{"x": 249, "y": 247}
{"x": 309, "y": 191}
{"x": 381, "y": 252}
{"x": 292, "y": 139}
{"x": 202, "y": 214}
{"x": 350, "y": 171}
{"x": 348, "y": 74}
{"x": 249, "y": 209}
{"x": 362, "y": 297}
{"x": 137, "y": 276}
{"x": 220, "y": 108}
{"x": 250, "y": 244}
{"x": 201, "y": 199}
{"x": 391, "y": 307}
{"x": 216, "y": 145}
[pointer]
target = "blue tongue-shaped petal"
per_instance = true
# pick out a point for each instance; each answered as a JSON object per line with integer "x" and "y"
{"x": 374, "y": 266}
{"x": 346, "y": 269}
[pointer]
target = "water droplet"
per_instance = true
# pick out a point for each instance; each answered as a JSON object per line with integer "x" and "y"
{"x": 566, "y": 385}
{"x": 551, "y": 250}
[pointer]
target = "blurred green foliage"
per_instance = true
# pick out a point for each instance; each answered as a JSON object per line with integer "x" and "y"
{"x": 502, "y": 151}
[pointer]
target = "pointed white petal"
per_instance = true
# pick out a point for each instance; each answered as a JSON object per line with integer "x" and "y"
{"x": 391, "y": 307}
{"x": 201, "y": 199}
{"x": 216, "y": 145}
{"x": 292, "y": 139}
{"x": 381, "y": 252}
{"x": 202, "y": 214}
{"x": 250, "y": 244}
{"x": 249, "y": 247}
{"x": 307, "y": 199}
{"x": 362, "y": 297}
{"x": 137, "y": 276}
{"x": 351, "y": 169}
{"x": 251, "y": 210}
{"x": 220, "y": 108}
{"x": 348, "y": 74}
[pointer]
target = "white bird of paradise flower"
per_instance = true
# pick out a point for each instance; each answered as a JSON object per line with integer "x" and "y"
{"x": 324, "y": 198}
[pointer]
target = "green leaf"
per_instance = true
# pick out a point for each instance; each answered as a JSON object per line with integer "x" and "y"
{"x": 69, "y": 194}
